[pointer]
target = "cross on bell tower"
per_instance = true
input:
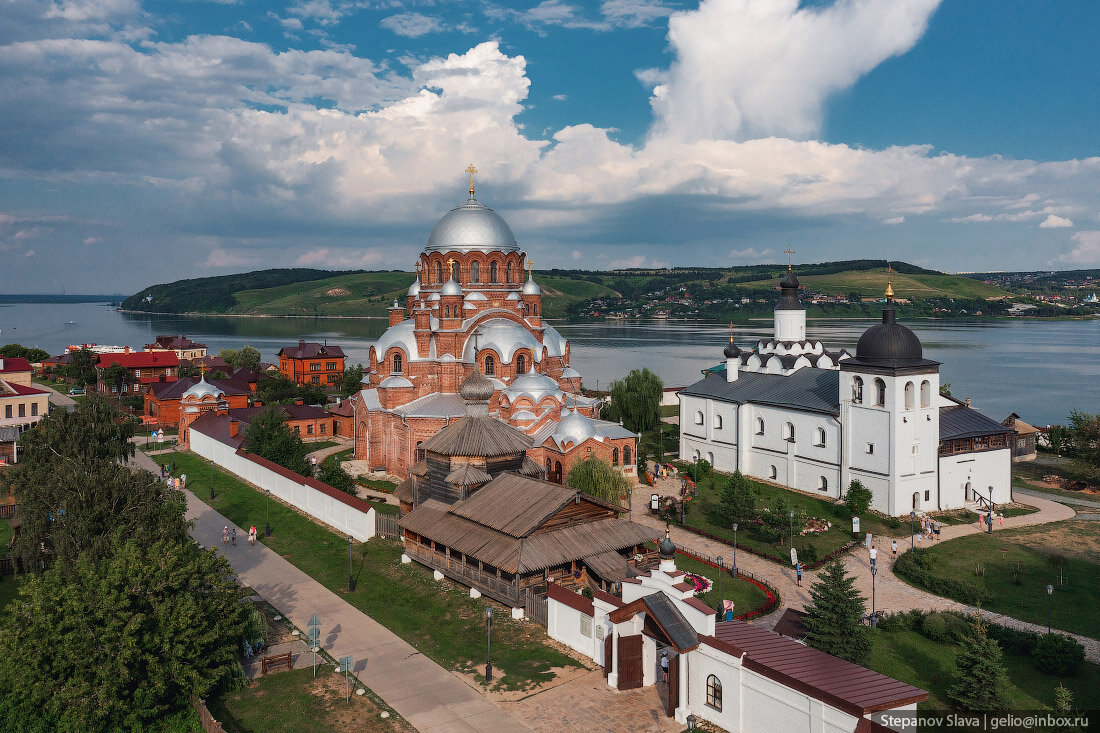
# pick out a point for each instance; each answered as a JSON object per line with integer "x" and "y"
{"x": 789, "y": 252}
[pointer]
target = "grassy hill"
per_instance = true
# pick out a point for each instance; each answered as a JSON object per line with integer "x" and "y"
{"x": 356, "y": 294}
{"x": 871, "y": 283}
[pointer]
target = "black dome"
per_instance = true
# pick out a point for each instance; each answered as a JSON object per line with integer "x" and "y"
{"x": 731, "y": 351}
{"x": 789, "y": 280}
{"x": 889, "y": 341}
{"x": 788, "y": 298}
{"x": 666, "y": 548}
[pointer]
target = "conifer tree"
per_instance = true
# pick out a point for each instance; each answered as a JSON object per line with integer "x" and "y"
{"x": 832, "y": 619}
{"x": 738, "y": 500}
{"x": 980, "y": 677}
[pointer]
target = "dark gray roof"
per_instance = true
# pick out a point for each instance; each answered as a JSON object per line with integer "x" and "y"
{"x": 965, "y": 422}
{"x": 672, "y": 622}
{"x": 814, "y": 390}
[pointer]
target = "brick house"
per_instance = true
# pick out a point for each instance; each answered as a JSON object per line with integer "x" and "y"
{"x": 163, "y": 400}
{"x": 185, "y": 348}
{"x": 145, "y": 368}
{"x": 308, "y": 422}
{"x": 469, "y": 310}
{"x": 312, "y": 363}
{"x": 343, "y": 418}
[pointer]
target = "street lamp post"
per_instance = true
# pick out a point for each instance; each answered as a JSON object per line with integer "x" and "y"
{"x": 792, "y": 528}
{"x": 992, "y": 508}
{"x": 488, "y": 643}
{"x": 719, "y": 585}
{"x": 1050, "y": 601}
{"x": 735, "y": 549}
{"x": 912, "y": 530}
{"x": 267, "y": 525}
{"x": 351, "y": 567}
{"x": 211, "y": 479}
{"x": 874, "y": 571}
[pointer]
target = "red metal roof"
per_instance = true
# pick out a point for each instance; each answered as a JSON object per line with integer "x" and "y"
{"x": 19, "y": 389}
{"x": 14, "y": 364}
{"x": 139, "y": 359}
{"x": 846, "y": 686}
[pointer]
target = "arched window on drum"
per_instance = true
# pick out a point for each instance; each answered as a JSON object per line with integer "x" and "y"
{"x": 397, "y": 364}
{"x": 439, "y": 272}
{"x": 475, "y": 271}
{"x": 521, "y": 365}
{"x": 494, "y": 274}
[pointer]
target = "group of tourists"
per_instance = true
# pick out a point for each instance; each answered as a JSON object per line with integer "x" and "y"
{"x": 229, "y": 535}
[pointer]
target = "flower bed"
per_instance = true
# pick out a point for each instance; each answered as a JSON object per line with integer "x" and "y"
{"x": 771, "y": 594}
{"x": 815, "y": 525}
{"x": 702, "y": 584}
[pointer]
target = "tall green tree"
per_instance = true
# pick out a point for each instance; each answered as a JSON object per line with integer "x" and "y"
{"x": 598, "y": 479}
{"x": 246, "y": 356}
{"x": 120, "y": 643}
{"x": 18, "y": 351}
{"x": 980, "y": 676}
{"x": 116, "y": 376}
{"x": 352, "y": 381}
{"x": 81, "y": 367}
{"x": 270, "y": 437}
{"x": 1083, "y": 434}
{"x": 280, "y": 390}
{"x": 738, "y": 502}
{"x": 333, "y": 474}
{"x": 636, "y": 400}
{"x": 74, "y": 494}
{"x": 832, "y": 618}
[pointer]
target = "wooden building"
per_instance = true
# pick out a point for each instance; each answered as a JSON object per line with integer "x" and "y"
{"x": 312, "y": 363}
{"x": 1024, "y": 438}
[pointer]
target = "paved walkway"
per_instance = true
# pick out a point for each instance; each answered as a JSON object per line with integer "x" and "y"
{"x": 891, "y": 593}
{"x": 429, "y": 697}
{"x": 57, "y": 398}
{"x": 322, "y": 454}
{"x": 1055, "y": 497}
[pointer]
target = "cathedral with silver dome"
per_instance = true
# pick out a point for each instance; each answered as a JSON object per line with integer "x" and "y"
{"x": 798, "y": 415}
{"x": 473, "y": 305}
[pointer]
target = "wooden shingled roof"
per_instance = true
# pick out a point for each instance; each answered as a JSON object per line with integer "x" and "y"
{"x": 516, "y": 505}
{"x": 467, "y": 475}
{"x": 478, "y": 436}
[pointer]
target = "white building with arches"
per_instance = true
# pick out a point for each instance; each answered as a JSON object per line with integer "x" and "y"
{"x": 817, "y": 424}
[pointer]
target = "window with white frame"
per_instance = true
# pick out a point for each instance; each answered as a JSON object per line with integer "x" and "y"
{"x": 714, "y": 692}
{"x": 823, "y": 484}
{"x": 819, "y": 437}
{"x": 773, "y": 473}
{"x": 698, "y": 417}
{"x": 759, "y": 426}
{"x": 717, "y": 422}
{"x": 788, "y": 432}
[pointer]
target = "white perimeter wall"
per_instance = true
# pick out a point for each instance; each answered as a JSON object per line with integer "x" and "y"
{"x": 564, "y": 624}
{"x": 981, "y": 470}
{"x": 330, "y": 510}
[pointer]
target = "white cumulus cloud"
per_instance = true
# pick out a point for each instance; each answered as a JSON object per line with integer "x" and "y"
{"x": 749, "y": 256}
{"x": 1087, "y": 251}
{"x": 893, "y": 220}
{"x": 412, "y": 25}
{"x": 1055, "y": 222}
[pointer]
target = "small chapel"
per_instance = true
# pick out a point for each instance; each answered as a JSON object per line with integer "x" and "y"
{"x": 471, "y": 308}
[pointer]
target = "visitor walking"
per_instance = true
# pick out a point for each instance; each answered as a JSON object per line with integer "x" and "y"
{"x": 798, "y": 572}
{"x": 936, "y": 529}
{"x": 894, "y": 548}
{"x": 874, "y": 555}
{"x": 664, "y": 667}
{"x": 1001, "y": 518}
{"x": 233, "y": 536}
{"x": 183, "y": 480}
{"x": 225, "y": 535}
{"x": 252, "y": 535}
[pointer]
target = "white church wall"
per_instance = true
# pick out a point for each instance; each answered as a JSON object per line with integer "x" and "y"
{"x": 981, "y": 470}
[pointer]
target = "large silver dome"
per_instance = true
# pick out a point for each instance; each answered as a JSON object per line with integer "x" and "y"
{"x": 472, "y": 227}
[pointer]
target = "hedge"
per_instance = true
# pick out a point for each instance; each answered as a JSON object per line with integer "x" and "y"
{"x": 917, "y": 566}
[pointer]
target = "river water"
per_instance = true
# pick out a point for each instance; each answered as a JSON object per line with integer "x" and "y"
{"x": 1039, "y": 369}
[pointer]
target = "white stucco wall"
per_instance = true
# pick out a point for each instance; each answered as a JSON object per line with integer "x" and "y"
{"x": 345, "y": 518}
{"x": 981, "y": 470}
{"x": 564, "y": 624}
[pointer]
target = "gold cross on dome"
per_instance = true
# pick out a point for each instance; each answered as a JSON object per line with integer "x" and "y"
{"x": 789, "y": 252}
{"x": 471, "y": 170}
{"x": 530, "y": 262}
{"x": 731, "y": 332}
{"x": 889, "y": 280}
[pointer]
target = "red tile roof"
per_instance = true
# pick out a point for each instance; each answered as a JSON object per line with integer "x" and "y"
{"x": 14, "y": 364}
{"x": 311, "y": 350}
{"x": 19, "y": 389}
{"x": 139, "y": 359}
{"x": 569, "y": 598}
{"x": 843, "y": 685}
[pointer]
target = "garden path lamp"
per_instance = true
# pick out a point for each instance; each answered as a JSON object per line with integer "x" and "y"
{"x": 351, "y": 566}
{"x": 267, "y": 524}
{"x": 488, "y": 644}
{"x": 719, "y": 584}
{"x": 874, "y": 571}
{"x": 211, "y": 479}
{"x": 912, "y": 530}
{"x": 1050, "y": 601}
{"x": 735, "y": 549}
{"x": 792, "y": 528}
{"x": 692, "y": 721}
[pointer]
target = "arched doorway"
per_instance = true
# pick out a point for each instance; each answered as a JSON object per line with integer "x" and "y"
{"x": 916, "y": 500}
{"x": 968, "y": 494}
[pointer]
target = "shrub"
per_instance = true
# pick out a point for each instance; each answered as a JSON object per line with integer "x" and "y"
{"x": 1058, "y": 654}
{"x": 858, "y": 498}
{"x": 808, "y": 554}
{"x": 934, "y": 627}
{"x": 910, "y": 620}
{"x": 918, "y": 567}
{"x": 1014, "y": 641}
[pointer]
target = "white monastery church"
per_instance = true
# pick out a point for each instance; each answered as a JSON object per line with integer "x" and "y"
{"x": 791, "y": 412}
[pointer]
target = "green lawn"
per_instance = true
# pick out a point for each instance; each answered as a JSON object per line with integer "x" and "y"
{"x": 1046, "y": 464}
{"x": 380, "y": 485}
{"x": 1023, "y": 595}
{"x": 5, "y": 536}
{"x": 439, "y": 619}
{"x": 294, "y": 702}
{"x": 702, "y": 513}
{"x": 746, "y": 596}
{"x": 913, "y": 658}
{"x": 320, "y": 445}
{"x": 9, "y": 589}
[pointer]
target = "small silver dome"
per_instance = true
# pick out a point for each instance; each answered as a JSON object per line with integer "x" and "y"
{"x": 574, "y": 428}
{"x": 472, "y": 227}
{"x": 451, "y": 288}
{"x": 531, "y": 287}
{"x": 414, "y": 289}
{"x": 394, "y": 382}
{"x": 202, "y": 389}
{"x": 534, "y": 385}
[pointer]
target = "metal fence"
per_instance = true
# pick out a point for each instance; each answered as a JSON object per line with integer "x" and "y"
{"x": 386, "y": 525}
{"x": 537, "y": 609}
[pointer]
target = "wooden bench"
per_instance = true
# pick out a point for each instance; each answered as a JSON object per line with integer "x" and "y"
{"x": 277, "y": 660}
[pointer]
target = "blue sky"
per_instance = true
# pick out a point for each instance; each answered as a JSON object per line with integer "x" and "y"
{"x": 150, "y": 141}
